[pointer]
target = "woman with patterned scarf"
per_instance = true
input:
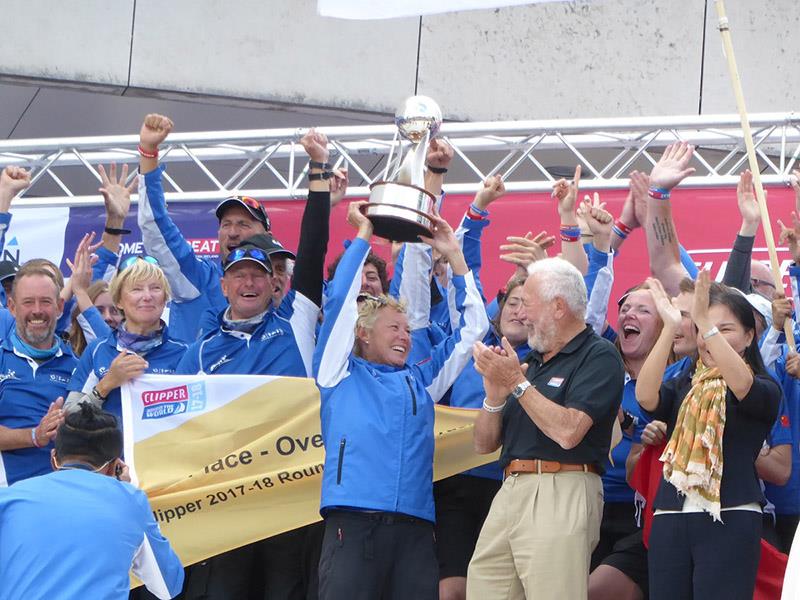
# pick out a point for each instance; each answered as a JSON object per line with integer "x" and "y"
{"x": 141, "y": 344}
{"x": 705, "y": 539}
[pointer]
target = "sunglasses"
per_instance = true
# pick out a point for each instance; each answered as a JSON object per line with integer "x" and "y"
{"x": 380, "y": 300}
{"x": 132, "y": 259}
{"x": 251, "y": 202}
{"x": 256, "y": 253}
{"x": 756, "y": 282}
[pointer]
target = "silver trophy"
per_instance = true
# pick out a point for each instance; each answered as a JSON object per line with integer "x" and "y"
{"x": 399, "y": 206}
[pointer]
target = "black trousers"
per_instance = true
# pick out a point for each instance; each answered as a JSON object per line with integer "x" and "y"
{"x": 692, "y": 557}
{"x": 377, "y": 556}
{"x": 785, "y": 526}
{"x": 619, "y": 522}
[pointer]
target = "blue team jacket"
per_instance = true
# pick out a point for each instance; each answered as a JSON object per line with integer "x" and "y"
{"x": 377, "y": 420}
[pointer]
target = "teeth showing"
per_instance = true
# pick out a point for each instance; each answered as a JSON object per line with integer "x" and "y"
{"x": 629, "y": 330}
{"x": 36, "y": 321}
{"x": 398, "y": 348}
{"x": 249, "y": 295}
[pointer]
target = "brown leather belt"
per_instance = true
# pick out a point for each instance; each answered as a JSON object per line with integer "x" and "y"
{"x": 546, "y": 466}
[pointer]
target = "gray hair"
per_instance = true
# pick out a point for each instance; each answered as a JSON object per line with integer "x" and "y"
{"x": 559, "y": 278}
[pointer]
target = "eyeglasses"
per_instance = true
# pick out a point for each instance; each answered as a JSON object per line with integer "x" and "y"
{"x": 132, "y": 259}
{"x": 757, "y": 282}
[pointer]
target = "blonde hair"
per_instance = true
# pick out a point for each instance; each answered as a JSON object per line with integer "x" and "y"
{"x": 77, "y": 339}
{"x": 138, "y": 272}
{"x": 368, "y": 313}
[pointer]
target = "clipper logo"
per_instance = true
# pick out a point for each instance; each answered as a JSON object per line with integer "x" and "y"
{"x": 59, "y": 378}
{"x": 174, "y": 401}
{"x": 268, "y": 335}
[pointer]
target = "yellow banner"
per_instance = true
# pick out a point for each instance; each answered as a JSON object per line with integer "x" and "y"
{"x": 228, "y": 460}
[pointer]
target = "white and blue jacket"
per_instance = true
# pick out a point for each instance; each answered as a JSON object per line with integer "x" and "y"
{"x": 98, "y": 356}
{"x": 377, "y": 420}
{"x": 26, "y": 391}
{"x": 194, "y": 282}
{"x": 77, "y": 534}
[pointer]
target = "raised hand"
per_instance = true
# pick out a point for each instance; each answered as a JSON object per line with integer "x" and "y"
{"x": 524, "y": 251}
{"x": 638, "y": 185}
{"x": 439, "y": 155}
{"x": 781, "y": 310}
{"x": 81, "y": 265}
{"x": 493, "y": 188}
{"x": 339, "y": 183}
{"x": 444, "y": 238}
{"x": 790, "y": 236}
{"x": 567, "y": 194}
{"x": 116, "y": 195}
{"x": 748, "y": 205}
{"x": 315, "y": 144}
{"x": 357, "y": 218}
{"x": 794, "y": 180}
{"x": 670, "y": 316}
{"x": 155, "y": 130}
{"x": 14, "y": 180}
{"x": 673, "y": 166}
{"x": 702, "y": 287}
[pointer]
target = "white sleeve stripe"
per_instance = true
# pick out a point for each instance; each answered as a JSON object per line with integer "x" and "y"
{"x": 304, "y": 325}
{"x": 110, "y": 271}
{"x": 598, "y": 300}
{"x": 145, "y": 567}
{"x": 156, "y": 246}
{"x": 3, "y": 476}
{"x": 415, "y": 286}
{"x": 475, "y": 327}
{"x": 86, "y": 327}
{"x": 91, "y": 381}
{"x": 339, "y": 345}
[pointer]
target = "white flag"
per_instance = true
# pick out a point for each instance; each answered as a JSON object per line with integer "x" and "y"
{"x": 389, "y": 9}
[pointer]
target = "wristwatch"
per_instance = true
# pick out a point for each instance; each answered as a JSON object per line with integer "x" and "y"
{"x": 520, "y": 389}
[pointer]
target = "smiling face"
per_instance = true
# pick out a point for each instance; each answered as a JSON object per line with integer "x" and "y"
{"x": 280, "y": 277}
{"x": 248, "y": 288}
{"x": 730, "y": 328}
{"x": 235, "y": 226}
{"x": 638, "y": 324}
{"x": 512, "y": 318}
{"x": 388, "y": 341}
{"x": 36, "y": 307}
{"x": 105, "y": 305}
{"x": 142, "y": 302}
{"x": 540, "y": 316}
{"x": 685, "y": 342}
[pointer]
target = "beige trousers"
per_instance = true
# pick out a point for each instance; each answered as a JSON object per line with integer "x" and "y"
{"x": 538, "y": 538}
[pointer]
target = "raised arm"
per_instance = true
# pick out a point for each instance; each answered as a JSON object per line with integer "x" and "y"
{"x": 566, "y": 193}
{"x": 634, "y": 211}
{"x": 662, "y": 239}
{"x": 600, "y": 276}
{"x": 651, "y": 375}
{"x": 337, "y": 333}
{"x": 737, "y": 273}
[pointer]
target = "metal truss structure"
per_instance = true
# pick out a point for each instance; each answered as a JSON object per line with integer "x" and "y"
{"x": 271, "y": 164}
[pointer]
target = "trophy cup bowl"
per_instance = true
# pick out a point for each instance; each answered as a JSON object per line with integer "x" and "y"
{"x": 400, "y": 212}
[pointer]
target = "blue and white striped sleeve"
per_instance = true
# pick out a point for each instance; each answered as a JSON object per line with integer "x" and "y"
{"x": 93, "y": 325}
{"x": 155, "y": 562}
{"x": 600, "y": 293}
{"x": 188, "y": 276}
{"x": 451, "y": 355}
{"x": 337, "y": 334}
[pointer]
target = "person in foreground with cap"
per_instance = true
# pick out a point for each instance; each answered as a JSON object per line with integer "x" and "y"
{"x": 259, "y": 335}
{"x": 552, "y": 419}
{"x": 195, "y": 282}
{"x": 78, "y": 531}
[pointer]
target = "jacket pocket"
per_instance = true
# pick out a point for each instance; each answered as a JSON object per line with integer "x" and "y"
{"x": 413, "y": 396}
{"x": 342, "y": 445}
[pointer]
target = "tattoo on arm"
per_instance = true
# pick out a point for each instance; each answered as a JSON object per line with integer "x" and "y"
{"x": 664, "y": 231}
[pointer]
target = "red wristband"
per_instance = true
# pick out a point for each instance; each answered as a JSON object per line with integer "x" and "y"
{"x": 622, "y": 227}
{"x": 146, "y": 154}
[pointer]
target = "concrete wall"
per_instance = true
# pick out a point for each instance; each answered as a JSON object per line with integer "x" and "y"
{"x": 561, "y": 60}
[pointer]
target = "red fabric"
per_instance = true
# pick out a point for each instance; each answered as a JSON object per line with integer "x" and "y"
{"x": 771, "y": 570}
{"x": 646, "y": 478}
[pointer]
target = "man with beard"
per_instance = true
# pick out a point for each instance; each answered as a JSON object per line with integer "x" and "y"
{"x": 553, "y": 418}
{"x": 35, "y": 368}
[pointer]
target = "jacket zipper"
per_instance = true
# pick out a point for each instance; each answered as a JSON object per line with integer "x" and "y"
{"x": 342, "y": 444}
{"x": 413, "y": 396}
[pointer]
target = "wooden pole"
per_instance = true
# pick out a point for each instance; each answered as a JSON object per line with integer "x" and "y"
{"x": 727, "y": 45}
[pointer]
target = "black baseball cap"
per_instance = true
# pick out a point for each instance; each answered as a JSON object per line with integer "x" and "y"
{"x": 8, "y": 268}
{"x": 250, "y": 253}
{"x": 270, "y": 245}
{"x": 251, "y": 205}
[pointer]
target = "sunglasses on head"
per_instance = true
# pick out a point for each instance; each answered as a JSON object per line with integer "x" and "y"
{"x": 132, "y": 259}
{"x": 256, "y": 253}
{"x": 364, "y": 296}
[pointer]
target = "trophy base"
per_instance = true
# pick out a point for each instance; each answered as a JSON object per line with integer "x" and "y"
{"x": 400, "y": 212}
